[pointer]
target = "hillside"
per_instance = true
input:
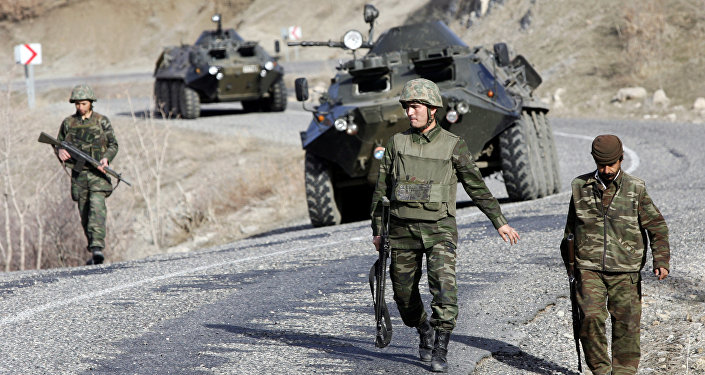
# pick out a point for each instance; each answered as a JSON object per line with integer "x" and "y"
{"x": 587, "y": 49}
{"x": 584, "y": 51}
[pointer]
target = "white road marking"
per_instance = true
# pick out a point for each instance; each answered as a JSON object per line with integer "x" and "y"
{"x": 632, "y": 155}
{"x": 26, "y": 314}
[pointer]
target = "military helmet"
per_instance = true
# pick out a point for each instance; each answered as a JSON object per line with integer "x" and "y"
{"x": 422, "y": 91}
{"x": 82, "y": 92}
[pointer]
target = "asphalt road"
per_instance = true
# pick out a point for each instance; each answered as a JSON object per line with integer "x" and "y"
{"x": 296, "y": 301}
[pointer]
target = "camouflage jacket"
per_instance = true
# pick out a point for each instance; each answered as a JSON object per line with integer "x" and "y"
{"x": 94, "y": 136}
{"x": 612, "y": 237}
{"x": 445, "y": 229}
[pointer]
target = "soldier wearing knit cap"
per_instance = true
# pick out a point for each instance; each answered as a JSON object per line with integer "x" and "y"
{"x": 611, "y": 215}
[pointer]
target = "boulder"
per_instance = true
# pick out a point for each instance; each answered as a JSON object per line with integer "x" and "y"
{"x": 660, "y": 99}
{"x": 556, "y": 99}
{"x": 699, "y": 105}
{"x": 630, "y": 93}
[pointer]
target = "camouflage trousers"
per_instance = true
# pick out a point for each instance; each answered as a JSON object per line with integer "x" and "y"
{"x": 405, "y": 272}
{"x": 618, "y": 293}
{"x": 90, "y": 196}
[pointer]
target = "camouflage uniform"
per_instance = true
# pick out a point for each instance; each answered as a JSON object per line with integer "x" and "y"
{"x": 438, "y": 239}
{"x": 610, "y": 224}
{"x": 90, "y": 187}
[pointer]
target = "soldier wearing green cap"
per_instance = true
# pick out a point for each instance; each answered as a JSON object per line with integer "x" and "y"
{"x": 611, "y": 216}
{"x": 419, "y": 173}
{"x": 93, "y": 134}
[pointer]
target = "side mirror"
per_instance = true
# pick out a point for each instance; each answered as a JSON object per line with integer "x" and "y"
{"x": 371, "y": 13}
{"x": 501, "y": 53}
{"x": 276, "y": 46}
{"x": 301, "y": 85}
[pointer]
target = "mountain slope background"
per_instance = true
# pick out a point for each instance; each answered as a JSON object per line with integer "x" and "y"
{"x": 589, "y": 50}
{"x": 585, "y": 52}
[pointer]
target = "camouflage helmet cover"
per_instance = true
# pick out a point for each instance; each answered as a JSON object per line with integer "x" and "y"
{"x": 423, "y": 91}
{"x": 82, "y": 92}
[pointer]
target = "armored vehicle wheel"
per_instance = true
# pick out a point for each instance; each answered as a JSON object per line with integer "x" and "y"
{"x": 175, "y": 88}
{"x": 190, "y": 104}
{"x": 551, "y": 163}
{"x": 320, "y": 198}
{"x": 520, "y": 163}
{"x": 277, "y": 97}
{"x": 554, "y": 163}
{"x": 161, "y": 96}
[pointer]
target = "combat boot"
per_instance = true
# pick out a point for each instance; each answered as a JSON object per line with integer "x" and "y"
{"x": 440, "y": 350}
{"x": 97, "y": 255}
{"x": 426, "y": 334}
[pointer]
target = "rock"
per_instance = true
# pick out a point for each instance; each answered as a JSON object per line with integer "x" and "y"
{"x": 630, "y": 93}
{"x": 556, "y": 98}
{"x": 660, "y": 99}
{"x": 699, "y": 105}
{"x": 671, "y": 116}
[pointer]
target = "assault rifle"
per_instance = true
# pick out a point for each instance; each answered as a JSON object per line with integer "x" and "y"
{"x": 378, "y": 277}
{"x": 80, "y": 158}
{"x": 574, "y": 307}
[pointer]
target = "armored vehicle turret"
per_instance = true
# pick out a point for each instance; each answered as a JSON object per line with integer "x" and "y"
{"x": 220, "y": 67}
{"x": 487, "y": 100}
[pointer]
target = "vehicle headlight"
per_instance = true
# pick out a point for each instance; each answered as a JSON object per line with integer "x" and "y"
{"x": 462, "y": 108}
{"x": 213, "y": 70}
{"x": 269, "y": 65}
{"x": 219, "y": 76}
{"x": 352, "y": 129}
{"x": 379, "y": 152}
{"x": 352, "y": 39}
{"x": 452, "y": 116}
{"x": 263, "y": 73}
{"x": 341, "y": 124}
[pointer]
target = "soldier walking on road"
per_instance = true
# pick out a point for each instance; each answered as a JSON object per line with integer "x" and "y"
{"x": 610, "y": 216}
{"x": 93, "y": 134}
{"x": 419, "y": 174}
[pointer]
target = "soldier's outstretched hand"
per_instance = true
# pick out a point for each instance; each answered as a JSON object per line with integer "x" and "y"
{"x": 661, "y": 273}
{"x": 508, "y": 234}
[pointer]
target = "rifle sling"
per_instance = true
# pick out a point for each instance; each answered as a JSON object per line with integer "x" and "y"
{"x": 383, "y": 307}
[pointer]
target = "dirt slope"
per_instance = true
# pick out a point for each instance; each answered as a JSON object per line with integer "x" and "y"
{"x": 589, "y": 49}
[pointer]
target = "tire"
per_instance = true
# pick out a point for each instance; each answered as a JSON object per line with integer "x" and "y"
{"x": 538, "y": 153}
{"x": 544, "y": 142}
{"x": 190, "y": 104}
{"x": 277, "y": 97}
{"x": 175, "y": 88}
{"x": 320, "y": 196}
{"x": 162, "y": 97}
{"x": 519, "y": 160}
{"x": 553, "y": 164}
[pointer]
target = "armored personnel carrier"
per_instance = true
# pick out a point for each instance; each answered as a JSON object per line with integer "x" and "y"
{"x": 220, "y": 67}
{"x": 487, "y": 100}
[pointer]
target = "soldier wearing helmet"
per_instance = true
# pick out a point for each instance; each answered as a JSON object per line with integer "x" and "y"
{"x": 93, "y": 134}
{"x": 419, "y": 174}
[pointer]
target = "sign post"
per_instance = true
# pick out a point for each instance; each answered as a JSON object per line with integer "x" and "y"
{"x": 294, "y": 33}
{"x": 29, "y": 54}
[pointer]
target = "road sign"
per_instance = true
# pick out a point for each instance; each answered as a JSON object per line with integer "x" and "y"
{"x": 294, "y": 32}
{"x": 28, "y": 54}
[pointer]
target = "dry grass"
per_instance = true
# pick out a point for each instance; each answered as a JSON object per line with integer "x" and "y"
{"x": 189, "y": 189}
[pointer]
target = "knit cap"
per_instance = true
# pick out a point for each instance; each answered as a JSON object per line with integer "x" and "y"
{"x": 606, "y": 149}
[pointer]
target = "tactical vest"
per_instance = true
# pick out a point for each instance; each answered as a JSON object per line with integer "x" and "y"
{"x": 423, "y": 178}
{"x": 608, "y": 238}
{"x": 88, "y": 136}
